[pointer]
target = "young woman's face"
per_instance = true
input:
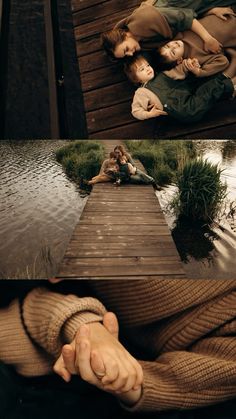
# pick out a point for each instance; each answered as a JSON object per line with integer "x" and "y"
{"x": 127, "y": 48}
{"x": 144, "y": 72}
{"x": 173, "y": 50}
{"x": 117, "y": 153}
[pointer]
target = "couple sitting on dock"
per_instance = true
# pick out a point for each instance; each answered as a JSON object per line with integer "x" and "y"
{"x": 181, "y": 87}
{"x": 120, "y": 168}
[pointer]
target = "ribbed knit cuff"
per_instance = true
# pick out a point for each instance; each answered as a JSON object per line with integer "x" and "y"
{"x": 17, "y": 349}
{"x": 47, "y": 313}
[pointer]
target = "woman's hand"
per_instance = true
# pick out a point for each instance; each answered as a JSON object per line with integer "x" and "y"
{"x": 221, "y": 12}
{"x": 108, "y": 366}
{"x": 212, "y": 45}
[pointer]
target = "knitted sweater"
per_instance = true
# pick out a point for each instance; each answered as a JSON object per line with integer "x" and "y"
{"x": 223, "y": 31}
{"x": 183, "y": 330}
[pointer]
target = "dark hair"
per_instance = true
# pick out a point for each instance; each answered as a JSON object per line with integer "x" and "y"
{"x": 111, "y": 39}
{"x": 112, "y": 155}
{"x": 162, "y": 63}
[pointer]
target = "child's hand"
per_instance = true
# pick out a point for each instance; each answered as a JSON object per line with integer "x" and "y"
{"x": 222, "y": 12}
{"x": 212, "y": 45}
{"x": 192, "y": 65}
{"x": 154, "y": 112}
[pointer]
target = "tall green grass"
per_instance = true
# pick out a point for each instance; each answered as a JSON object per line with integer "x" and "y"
{"x": 81, "y": 159}
{"x": 162, "y": 159}
{"x": 201, "y": 191}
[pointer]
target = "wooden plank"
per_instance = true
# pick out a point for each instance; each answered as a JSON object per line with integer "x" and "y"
{"x": 102, "y": 267}
{"x": 124, "y": 206}
{"x": 107, "y": 96}
{"x": 130, "y": 220}
{"x": 90, "y": 252}
{"x": 100, "y": 78}
{"x": 121, "y": 233}
{"x": 99, "y": 11}
{"x": 119, "y": 239}
{"x": 83, "y": 4}
{"x": 111, "y": 230}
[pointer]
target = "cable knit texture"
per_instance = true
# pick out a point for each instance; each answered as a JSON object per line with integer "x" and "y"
{"x": 185, "y": 330}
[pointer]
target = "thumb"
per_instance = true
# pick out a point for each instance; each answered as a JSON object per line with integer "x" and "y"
{"x": 110, "y": 322}
{"x": 222, "y": 17}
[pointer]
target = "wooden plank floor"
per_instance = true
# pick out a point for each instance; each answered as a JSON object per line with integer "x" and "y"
{"x": 107, "y": 94}
{"x": 122, "y": 233}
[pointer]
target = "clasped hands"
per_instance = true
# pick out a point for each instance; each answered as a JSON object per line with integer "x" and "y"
{"x": 100, "y": 359}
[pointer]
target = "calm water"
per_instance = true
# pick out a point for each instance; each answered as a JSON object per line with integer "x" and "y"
{"x": 40, "y": 207}
{"x": 209, "y": 252}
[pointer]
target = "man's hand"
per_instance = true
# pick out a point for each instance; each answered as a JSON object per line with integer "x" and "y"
{"x": 221, "y": 12}
{"x": 109, "y": 366}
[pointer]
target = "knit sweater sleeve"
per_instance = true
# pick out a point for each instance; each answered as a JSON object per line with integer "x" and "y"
{"x": 103, "y": 167}
{"x": 53, "y": 319}
{"x": 143, "y": 100}
{"x": 215, "y": 64}
{"x": 16, "y": 347}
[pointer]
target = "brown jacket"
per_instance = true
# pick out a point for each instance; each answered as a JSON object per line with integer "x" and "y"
{"x": 223, "y": 31}
{"x": 184, "y": 329}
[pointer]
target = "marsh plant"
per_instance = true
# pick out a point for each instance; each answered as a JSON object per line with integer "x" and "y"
{"x": 201, "y": 191}
{"x": 81, "y": 159}
{"x": 162, "y": 159}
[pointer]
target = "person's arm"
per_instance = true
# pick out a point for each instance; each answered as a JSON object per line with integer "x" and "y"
{"x": 193, "y": 107}
{"x": 146, "y": 105}
{"x": 53, "y": 319}
{"x": 17, "y": 348}
{"x": 103, "y": 167}
{"x": 210, "y": 44}
{"x": 215, "y": 64}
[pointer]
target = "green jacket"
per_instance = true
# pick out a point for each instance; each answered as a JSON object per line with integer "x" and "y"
{"x": 187, "y": 100}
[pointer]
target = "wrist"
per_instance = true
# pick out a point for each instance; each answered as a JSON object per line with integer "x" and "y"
{"x": 130, "y": 398}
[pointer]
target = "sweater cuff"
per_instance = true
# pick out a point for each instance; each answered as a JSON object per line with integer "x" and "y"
{"x": 17, "y": 349}
{"x": 46, "y": 315}
{"x": 72, "y": 325}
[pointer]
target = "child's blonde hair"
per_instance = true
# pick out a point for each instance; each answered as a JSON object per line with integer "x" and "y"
{"x": 131, "y": 65}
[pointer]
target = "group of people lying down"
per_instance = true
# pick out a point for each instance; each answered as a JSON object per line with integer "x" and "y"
{"x": 190, "y": 73}
{"x": 120, "y": 168}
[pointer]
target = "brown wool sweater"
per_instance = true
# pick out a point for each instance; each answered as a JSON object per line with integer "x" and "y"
{"x": 186, "y": 328}
{"x": 223, "y": 31}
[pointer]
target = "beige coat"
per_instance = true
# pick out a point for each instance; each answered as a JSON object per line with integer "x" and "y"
{"x": 184, "y": 329}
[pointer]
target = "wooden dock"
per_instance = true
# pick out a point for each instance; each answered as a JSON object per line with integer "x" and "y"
{"x": 107, "y": 94}
{"x": 122, "y": 234}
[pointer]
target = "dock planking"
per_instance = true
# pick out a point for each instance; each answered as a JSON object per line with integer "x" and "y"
{"x": 107, "y": 94}
{"x": 122, "y": 234}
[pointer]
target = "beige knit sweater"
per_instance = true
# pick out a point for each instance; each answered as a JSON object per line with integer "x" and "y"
{"x": 186, "y": 328}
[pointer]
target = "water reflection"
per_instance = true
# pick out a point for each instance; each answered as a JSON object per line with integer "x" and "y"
{"x": 209, "y": 252}
{"x": 39, "y": 209}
